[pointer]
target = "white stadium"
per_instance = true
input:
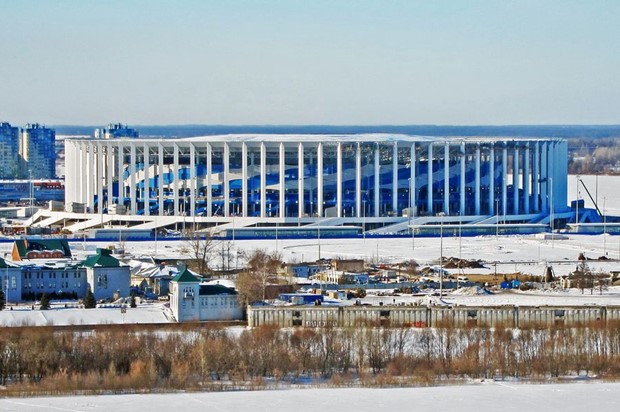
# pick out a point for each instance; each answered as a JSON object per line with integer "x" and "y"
{"x": 376, "y": 183}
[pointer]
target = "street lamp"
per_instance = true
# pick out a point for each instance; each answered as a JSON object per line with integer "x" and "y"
{"x": 364, "y": 219}
{"x": 441, "y": 215}
{"x": 409, "y": 213}
{"x": 604, "y": 227}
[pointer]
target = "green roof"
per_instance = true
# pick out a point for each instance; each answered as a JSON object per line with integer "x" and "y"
{"x": 25, "y": 245}
{"x": 3, "y": 264}
{"x": 185, "y": 276}
{"x": 103, "y": 258}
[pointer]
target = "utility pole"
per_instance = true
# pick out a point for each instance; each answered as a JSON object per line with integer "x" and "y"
{"x": 441, "y": 215}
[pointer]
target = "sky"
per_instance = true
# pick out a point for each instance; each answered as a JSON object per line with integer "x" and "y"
{"x": 358, "y": 62}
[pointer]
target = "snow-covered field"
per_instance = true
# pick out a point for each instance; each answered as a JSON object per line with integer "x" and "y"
{"x": 24, "y": 315}
{"x": 486, "y": 396}
{"x": 527, "y": 254}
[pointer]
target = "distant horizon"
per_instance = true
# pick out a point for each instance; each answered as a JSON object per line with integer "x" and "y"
{"x": 192, "y": 130}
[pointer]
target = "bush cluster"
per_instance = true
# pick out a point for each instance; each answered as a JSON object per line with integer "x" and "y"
{"x": 42, "y": 360}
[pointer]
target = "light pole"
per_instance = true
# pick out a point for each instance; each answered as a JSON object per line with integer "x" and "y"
{"x": 318, "y": 228}
{"x": 441, "y": 215}
{"x": 604, "y": 227}
{"x": 496, "y": 219}
{"x": 551, "y": 213}
{"x": 409, "y": 215}
{"x": 577, "y": 205}
{"x": 364, "y": 220}
{"x": 31, "y": 191}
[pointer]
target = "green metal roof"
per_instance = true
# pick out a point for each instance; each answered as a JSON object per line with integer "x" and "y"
{"x": 25, "y": 245}
{"x": 185, "y": 276}
{"x": 103, "y": 258}
{"x": 4, "y": 265}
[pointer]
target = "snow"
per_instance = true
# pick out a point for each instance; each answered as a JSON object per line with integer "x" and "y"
{"x": 58, "y": 315}
{"x": 507, "y": 396}
{"x": 527, "y": 254}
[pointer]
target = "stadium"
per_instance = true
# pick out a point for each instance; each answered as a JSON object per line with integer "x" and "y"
{"x": 380, "y": 183}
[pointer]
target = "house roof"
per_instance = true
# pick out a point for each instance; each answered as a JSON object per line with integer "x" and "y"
{"x": 23, "y": 246}
{"x": 4, "y": 264}
{"x": 103, "y": 258}
{"x": 185, "y": 276}
{"x": 207, "y": 290}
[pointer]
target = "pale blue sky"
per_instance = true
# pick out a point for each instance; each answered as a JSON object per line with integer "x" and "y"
{"x": 310, "y": 62}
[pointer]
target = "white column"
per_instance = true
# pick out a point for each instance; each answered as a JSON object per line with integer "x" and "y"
{"x": 147, "y": 179}
{"x": 504, "y": 179}
{"x": 175, "y": 179}
{"x": 412, "y": 183}
{"x": 70, "y": 176}
{"x": 192, "y": 179}
{"x": 492, "y": 180}
{"x": 110, "y": 173}
{"x": 536, "y": 178}
{"x": 395, "y": 180}
{"x": 160, "y": 177}
{"x": 462, "y": 190}
{"x": 515, "y": 181}
{"x": 79, "y": 171}
{"x": 244, "y": 179}
{"x": 358, "y": 181}
{"x": 209, "y": 180}
{"x": 319, "y": 183}
{"x": 99, "y": 179}
{"x": 429, "y": 199}
{"x": 263, "y": 180}
{"x": 446, "y": 178}
{"x": 477, "y": 183}
{"x": 90, "y": 174}
{"x": 377, "y": 181}
{"x": 552, "y": 178}
{"x": 132, "y": 177}
{"x": 526, "y": 179}
{"x": 226, "y": 161}
{"x": 339, "y": 179}
{"x": 120, "y": 156}
{"x": 300, "y": 180}
{"x": 281, "y": 171}
{"x": 544, "y": 179}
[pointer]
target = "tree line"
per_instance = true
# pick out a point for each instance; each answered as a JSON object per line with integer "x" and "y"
{"x": 34, "y": 360}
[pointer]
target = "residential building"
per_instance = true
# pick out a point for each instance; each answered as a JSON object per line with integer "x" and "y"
{"x": 107, "y": 276}
{"x": 28, "y": 249}
{"x": 115, "y": 131}
{"x": 46, "y": 266}
{"x": 192, "y": 301}
{"x": 10, "y": 281}
{"x": 37, "y": 152}
{"x": 9, "y": 151}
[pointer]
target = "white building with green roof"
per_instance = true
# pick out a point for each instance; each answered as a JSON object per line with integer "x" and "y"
{"x": 107, "y": 276}
{"x": 191, "y": 300}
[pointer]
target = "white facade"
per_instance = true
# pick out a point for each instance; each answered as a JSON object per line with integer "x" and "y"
{"x": 354, "y": 177}
{"x": 191, "y": 301}
{"x": 105, "y": 282}
{"x": 11, "y": 281}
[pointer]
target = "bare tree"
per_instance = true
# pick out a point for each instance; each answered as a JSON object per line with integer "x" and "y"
{"x": 226, "y": 254}
{"x": 200, "y": 247}
{"x": 261, "y": 270}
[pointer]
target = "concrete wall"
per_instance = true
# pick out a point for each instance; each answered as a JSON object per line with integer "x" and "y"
{"x": 420, "y": 316}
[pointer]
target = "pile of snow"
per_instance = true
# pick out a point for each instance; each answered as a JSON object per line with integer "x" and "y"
{"x": 471, "y": 291}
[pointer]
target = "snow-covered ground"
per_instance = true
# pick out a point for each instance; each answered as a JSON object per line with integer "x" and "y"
{"x": 463, "y": 398}
{"x": 25, "y": 315}
{"x": 527, "y": 254}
